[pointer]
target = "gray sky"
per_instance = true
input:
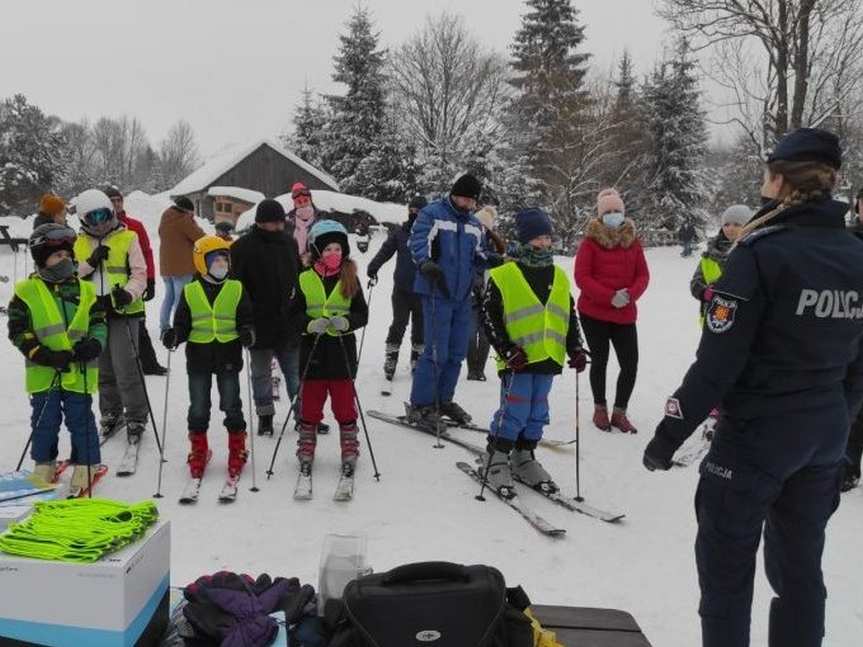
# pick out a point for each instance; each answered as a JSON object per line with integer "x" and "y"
{"x": 235, "y": 69}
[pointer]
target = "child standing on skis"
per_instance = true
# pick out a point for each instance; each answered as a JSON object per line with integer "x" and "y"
{"x": 214, "y": 315}
{"x": 57, "y": 323}
{"x": 530, "y": 319}
{"x": 334, "y": 307}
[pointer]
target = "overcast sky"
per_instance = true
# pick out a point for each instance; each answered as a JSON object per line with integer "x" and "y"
{"x": 235, "y": 69}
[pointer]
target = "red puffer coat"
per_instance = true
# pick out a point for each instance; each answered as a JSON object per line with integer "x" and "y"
{"x": 609, "y": 260}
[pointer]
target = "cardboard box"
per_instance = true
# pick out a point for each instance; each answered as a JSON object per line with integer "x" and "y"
{"x": 119, "y": 601}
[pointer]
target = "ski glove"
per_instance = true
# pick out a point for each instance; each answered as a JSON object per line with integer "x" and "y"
{"x": 340, "y": 324}
{"x": 87, "y": 349}
{"x": 659, "y": 451}
{"x": 433, "y": 272}
{"x": 99, "y": 254}
{"x": 170, "y": 338}
{"x": 578, "y": 359}
{"x": 247, "y": 336}
{"x": 515, "y": 358}
{"x": 621, "y": 298}
{"x": 59, "y": 359}
{"x": 121, "y": 297}
{"x": 318, "y": 326}
{"x": 150, "y": 292}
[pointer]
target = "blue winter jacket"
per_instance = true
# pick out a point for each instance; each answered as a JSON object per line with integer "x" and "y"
{"x": 452, "y": 239}
{"x": 397, "y": 243}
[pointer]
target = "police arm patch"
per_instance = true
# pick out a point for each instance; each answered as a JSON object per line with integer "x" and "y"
{"x": 672, "y": 409}
{"x": 721, "y": 314}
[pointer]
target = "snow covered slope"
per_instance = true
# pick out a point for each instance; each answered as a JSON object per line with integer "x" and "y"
{"x": 424, "y": 508}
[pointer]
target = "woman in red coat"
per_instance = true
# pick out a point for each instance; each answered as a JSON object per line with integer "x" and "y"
{"x": 612, "y": 274}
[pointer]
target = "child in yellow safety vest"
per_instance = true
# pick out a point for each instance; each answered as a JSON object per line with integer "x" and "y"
{"x": 58, "y": 324}
{"x": 530, "y": 319}
{"x": 334, "y": 306}
{"x": 215, "y": 316}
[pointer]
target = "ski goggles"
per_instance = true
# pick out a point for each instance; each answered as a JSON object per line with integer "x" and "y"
{"x": 55, "y": 238}
{"x": 98, "y": 216}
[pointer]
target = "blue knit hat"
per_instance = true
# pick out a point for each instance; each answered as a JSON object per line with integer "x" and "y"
{"x": 324, "y": 232}
{"x": 808, "y": 145}
{"x": 531, "y": 223}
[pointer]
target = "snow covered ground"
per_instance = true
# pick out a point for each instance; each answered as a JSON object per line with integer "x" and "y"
{"x": 424, "y": 508}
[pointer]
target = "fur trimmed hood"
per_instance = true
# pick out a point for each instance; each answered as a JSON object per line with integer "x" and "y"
{"x": 609, "y": 238}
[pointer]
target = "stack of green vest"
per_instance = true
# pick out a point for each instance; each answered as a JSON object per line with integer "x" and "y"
{"x": 78, "y": 530}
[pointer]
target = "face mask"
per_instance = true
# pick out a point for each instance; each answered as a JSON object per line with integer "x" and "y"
{"x": 535, "y": 256}
{"x": 304, "y": 213}
{"x": 218, "y": 272}
{"x": 613, "y": 220}
{"x": 59, "y": 272}
{"x": 332, "y": 261}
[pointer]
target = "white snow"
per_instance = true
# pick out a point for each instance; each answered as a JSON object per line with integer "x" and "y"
{"x": 226, "y": 159}
{"x": 246, "y": 195}
{"x": 424, "y": 508}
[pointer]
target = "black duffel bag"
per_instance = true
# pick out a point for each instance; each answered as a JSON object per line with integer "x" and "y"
{"x": 429, "y": 604}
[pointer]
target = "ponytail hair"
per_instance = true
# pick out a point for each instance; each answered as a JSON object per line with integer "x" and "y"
{"x": 350, "y": 284}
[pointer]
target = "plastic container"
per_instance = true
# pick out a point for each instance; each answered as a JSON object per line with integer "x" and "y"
{"x": 343, "y": 559}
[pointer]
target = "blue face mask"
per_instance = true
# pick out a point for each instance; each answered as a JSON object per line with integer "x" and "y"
{"x": 613, "y": 220}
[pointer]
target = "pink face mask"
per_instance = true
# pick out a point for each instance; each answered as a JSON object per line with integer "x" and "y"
{"x": 332, "y": 260}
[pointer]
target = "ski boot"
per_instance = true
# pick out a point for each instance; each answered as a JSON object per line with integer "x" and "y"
{"x": 45, "y": 471}
{"x": 199, "y": 454}
{"x": 455, "y": 413}
{"x": 391, "y": 360}
{"x": 620, "y": 422}
{"x": 530, "y": 471}
{"x": 348, "y": 468}
{"x": 237, "y": 453}
{"x": 134, "y": 432}
{"x": 426, "y": 417}
{"x": 496, "y": 470}
{"x": 111, "y": 424}
{"x": 600, "y": 417}
{"x": 79, "y": 483}
{"x": 307, "y": 442}
{"x": 350, "y": 445}
{"x": 416, "y": 351}
{"x": 265, "y": 424}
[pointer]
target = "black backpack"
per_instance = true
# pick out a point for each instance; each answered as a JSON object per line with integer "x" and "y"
{"x": 430, "y": 604}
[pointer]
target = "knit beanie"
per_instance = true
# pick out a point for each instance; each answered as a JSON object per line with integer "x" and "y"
{"x": 737, "y": 214}
{"x": 609, "y": 201}
{"x": 531, "y": 223}
{"x": 300, "y": 189}
{"x": 467, "y": 186}
{"x": 184, "y": 204}
{"x": 52, "y": 205}
{"x": 270, "y": 210}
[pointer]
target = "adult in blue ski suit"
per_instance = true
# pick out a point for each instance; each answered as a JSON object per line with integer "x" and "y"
{"x": 448, "y": 247}
{"x": 781, "y": 351}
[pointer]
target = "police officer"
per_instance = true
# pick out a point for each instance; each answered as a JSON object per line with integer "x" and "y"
{"x": 781, "y": 351}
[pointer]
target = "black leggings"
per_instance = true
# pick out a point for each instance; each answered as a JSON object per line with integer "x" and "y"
{"x": 624, "y": 337}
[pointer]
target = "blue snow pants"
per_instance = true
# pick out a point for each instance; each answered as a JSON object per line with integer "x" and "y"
{"x": 446, "y": 325}
{"x": 523, "y": 411}
{"x": 50, "y": 408}
{"x": 789, "y": 488}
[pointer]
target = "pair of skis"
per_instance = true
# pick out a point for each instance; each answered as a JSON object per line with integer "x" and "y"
{"x": 192, "y": 489}
{"x": 344, "y": 488}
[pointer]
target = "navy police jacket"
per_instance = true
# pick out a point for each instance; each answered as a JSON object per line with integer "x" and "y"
{"x": 780, "y": 350}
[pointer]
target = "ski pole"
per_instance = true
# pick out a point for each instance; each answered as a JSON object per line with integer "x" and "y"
{"x": 144, "y": 386}
{"x": 360, "y": 408}
{"x": 293, "y": 404}
{"x": 54, "y": 383}
{"x": 438, "y": 444}
{"x": 87, "y": 441}
{"x": 578, "y": 496}
{"x": 371, "y": 285}
{"x": 254, "y": 487}
{"x": 495, "y": 435}
{"x": 158, "y": 494}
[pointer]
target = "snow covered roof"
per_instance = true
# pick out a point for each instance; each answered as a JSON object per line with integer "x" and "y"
{"x": 222, "y": 162}
{"x": 246, "y": 195}
{"x": 340, "y": 202}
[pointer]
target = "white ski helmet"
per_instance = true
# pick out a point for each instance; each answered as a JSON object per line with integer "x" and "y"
{"x": 95, "y": 212}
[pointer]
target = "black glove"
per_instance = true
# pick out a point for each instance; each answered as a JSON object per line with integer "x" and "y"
{"x": 121, "y": 297}
{"x": 578, "y": 359}
{"x": 59, "y": 359}
{"x": 170, "y": 338}
{"x": 247, "y": 337}
{"x": 515, "y": 358}
{"x": 87, "y": 349}
{"x": 150, "y": 292}
{"x": 99, "y": 254}
{"x": 433, "y": 272}
{"x": 659, "y": 451}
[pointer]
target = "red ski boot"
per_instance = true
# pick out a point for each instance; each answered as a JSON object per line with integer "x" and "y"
{"x": 620, "y": 422}
{"x": 237, "y": 453}
{"x": 199, "y": 455}
{"x": 600, "y": 417}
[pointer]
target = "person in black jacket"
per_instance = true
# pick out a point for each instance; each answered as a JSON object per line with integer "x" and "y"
{"x": 781, "y": 352}
{"x": 266, "y": 262}
{"x": 334, "y": 307}
{"x": 406, "y": 304}
{"x": 854, "y": 450}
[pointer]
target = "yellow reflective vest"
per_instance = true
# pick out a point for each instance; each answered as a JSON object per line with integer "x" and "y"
{"x": 52, "y": 332}
{"x": 217, "y": 321}
{"x": 540, "y": 330}
{"x": 115, "y": 267}
{"x": 318, "y": 304}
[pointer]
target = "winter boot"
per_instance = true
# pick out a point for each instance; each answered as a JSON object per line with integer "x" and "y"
{"x": 45, "y": 471}
{"x": 528, "y": 470}
{"x": 265, "y": 424}
{"x": 350, "y": 444}
{"x": 416, "y": 351}
{"x": 306, "y": 442}
{"x": 199, "y": 454}
{"x": 391, "y": 360}
{"x": 111, "y": 424}
{"x": 620, "y": 422}
{"x": 237, "y": 453}
{"x": 79, "y": 482}
{"x": 135, "y": 431}
{"x": 454, "y": 412}
{"x": 497, "y": 472}
{"x": 600, "y": 417}
{"x": 476, "y": 376}
{"x": 426, "y": 417}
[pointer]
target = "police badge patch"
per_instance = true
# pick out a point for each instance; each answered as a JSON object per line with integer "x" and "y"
{"x": 720, "y": 314}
